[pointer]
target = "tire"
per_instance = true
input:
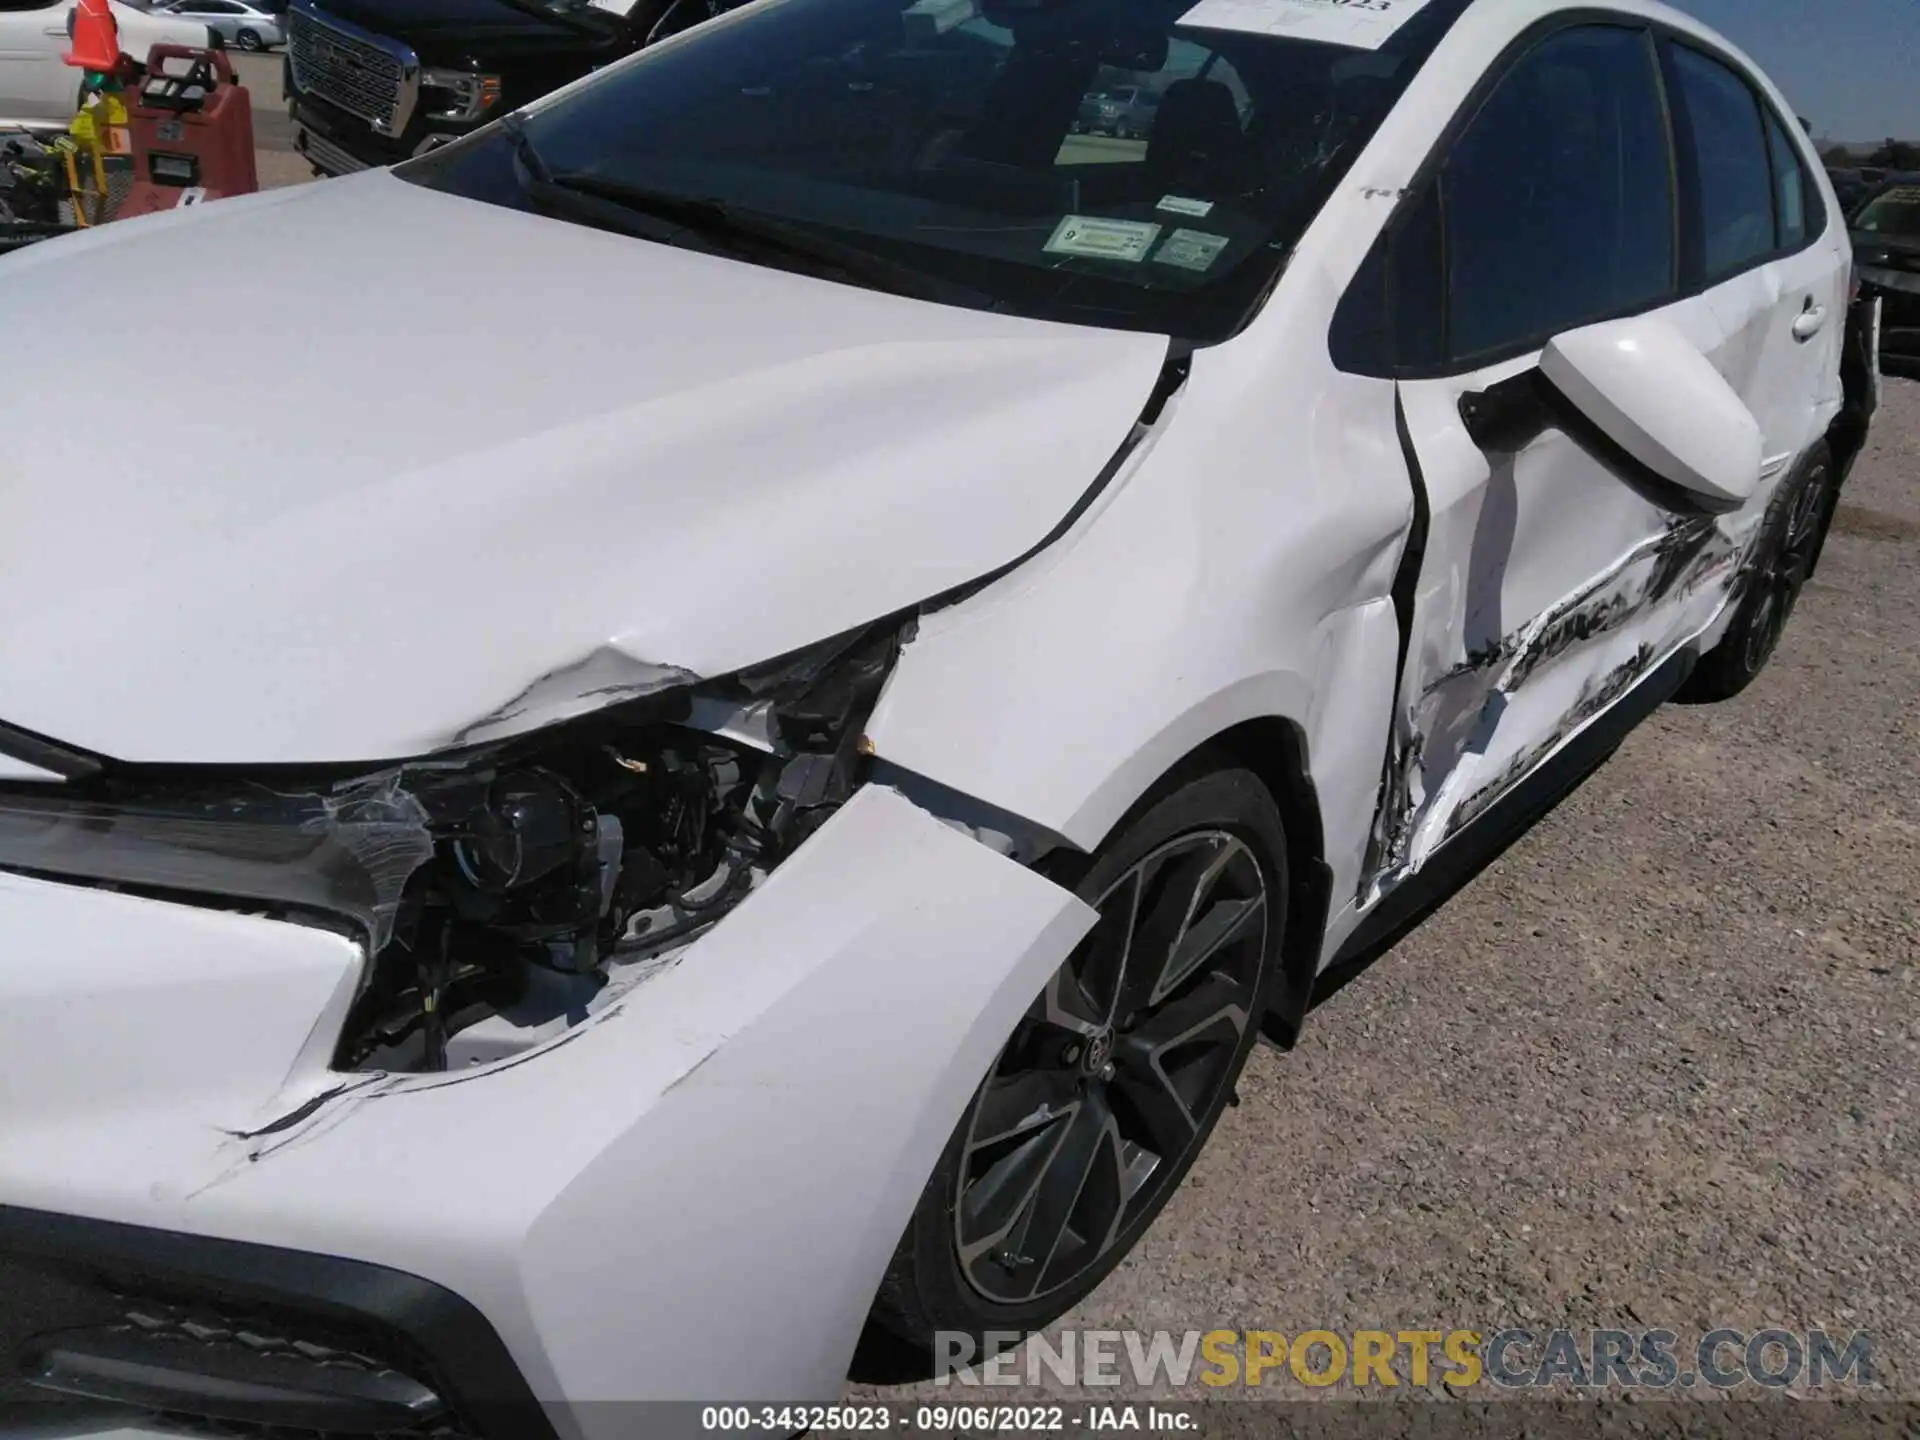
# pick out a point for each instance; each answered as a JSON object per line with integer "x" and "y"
{"x": 1135, "y": 1097}
{"x": 1769, "y": 589}
{"x": 247, "y": 40}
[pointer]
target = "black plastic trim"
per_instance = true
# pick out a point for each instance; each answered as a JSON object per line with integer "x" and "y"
{"x": 1507, "y": 417}
{"x": 49, "y": 755}
{"x": 228, "y": 1382}
{"x": 472, "y": 1368}
{"x": 1487, "y": 838}
{"x": 1406, "y": 579}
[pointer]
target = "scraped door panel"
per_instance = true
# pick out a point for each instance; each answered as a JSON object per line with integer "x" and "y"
{"x": 1550, "y": 586}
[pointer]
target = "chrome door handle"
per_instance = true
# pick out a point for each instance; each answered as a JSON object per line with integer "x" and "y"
{"x": 1810, "y": 323}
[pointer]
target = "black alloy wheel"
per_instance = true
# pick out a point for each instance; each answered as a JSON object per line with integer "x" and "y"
{"x": 1770, "y": 590}
{"x": 1107, "y": 1079}
{"x": 1111, "y": 1082}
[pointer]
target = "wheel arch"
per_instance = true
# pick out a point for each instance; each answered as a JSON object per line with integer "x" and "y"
{"x": 1273, "y": 748}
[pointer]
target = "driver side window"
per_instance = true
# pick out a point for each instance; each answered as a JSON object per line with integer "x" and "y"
{"x": 1557, "y": 201}
{"x": 1553, "y": 207}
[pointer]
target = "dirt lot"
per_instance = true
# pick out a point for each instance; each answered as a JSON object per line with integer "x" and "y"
{"x": 1655, "y": 1068}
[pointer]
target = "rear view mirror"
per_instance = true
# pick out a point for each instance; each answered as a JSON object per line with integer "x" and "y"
{"x": 1645, "y": 386}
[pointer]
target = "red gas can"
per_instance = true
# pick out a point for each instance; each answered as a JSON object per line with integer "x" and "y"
{"x": 192, "y": 125}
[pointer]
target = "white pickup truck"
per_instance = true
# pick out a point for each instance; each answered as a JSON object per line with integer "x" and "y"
{"x": 36, "y": 87}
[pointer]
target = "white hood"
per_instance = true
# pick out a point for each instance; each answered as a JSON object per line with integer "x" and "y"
{"x": 376, "y": 469}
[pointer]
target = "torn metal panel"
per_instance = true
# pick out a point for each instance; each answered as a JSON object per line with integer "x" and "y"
{"x": 603, "y": 677}
{"x": 1505, "y": 663}
{"x": 1596, "y": 695}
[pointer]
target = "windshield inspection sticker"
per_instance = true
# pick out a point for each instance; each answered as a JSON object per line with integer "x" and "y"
{"x": 1191, "y": 249}
{"x": 1097, "y": 239}
{"x": 1363, "y": 24}
{"x": 1180, "y": 205}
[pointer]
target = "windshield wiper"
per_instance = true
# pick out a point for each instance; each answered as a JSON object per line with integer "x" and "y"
{"x": 523, "y": 150}
{"x": 738, "y": 232}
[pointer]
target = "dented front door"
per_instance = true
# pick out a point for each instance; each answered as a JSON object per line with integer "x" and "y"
{"x": 1548, "y": 588}
{"x": 1550, "y": 583}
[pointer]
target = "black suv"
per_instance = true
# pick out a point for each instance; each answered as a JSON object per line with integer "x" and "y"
{"x": 371, "y": 82}
{"x": 1886, "y": 247}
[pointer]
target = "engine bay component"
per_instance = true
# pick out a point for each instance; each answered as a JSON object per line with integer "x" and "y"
{"x": 497, "y": 890}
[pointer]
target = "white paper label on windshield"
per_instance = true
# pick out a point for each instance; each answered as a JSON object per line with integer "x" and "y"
{"x": 1363, "y": 24}
{"x": 1097, "y": 239}
{"x": 1191, "y": 249}
{"x": 1181, "y": 205}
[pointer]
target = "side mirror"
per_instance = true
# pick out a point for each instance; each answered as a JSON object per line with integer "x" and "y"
{"x": 1644, "y": 386}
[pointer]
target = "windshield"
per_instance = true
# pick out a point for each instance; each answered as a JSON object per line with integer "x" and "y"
{"x": 1125, "y": 163}
{"x": 1894, "y": 212}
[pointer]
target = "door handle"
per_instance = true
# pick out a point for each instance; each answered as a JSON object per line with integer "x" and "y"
{"x": 58, "y": 32}
{"x": 1812, "y": 320}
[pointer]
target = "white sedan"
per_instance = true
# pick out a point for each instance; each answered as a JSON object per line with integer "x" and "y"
{"x": 36, "y": 86}
{"x": 799, "y": 661}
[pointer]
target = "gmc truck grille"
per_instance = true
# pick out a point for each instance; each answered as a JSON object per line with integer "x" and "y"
{"x": 351, "y": 70}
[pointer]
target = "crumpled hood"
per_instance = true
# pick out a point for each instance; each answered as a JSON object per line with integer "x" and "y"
{"x": 369, "y": 470}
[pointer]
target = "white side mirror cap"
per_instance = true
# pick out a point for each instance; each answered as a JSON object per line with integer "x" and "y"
{"x": 1658, "y": 398}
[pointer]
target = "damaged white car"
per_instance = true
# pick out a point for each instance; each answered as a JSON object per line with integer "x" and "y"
{"x": 748, "y": 799}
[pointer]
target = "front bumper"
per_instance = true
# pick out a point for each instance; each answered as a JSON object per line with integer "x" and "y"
{"x": 691, "y": 1196}
{"x": 340, "y": 144}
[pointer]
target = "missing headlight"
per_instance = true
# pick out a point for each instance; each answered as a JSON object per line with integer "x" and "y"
{"x": 497, "y": 891}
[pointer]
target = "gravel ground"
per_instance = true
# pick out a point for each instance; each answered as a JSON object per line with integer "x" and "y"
{"x": 1654, "y": 1068}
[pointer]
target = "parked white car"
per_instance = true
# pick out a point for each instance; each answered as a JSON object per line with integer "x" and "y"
{"x": 759, "y": 788}
{"x": 242, "y": 25}
{"x": 36, "y": 86}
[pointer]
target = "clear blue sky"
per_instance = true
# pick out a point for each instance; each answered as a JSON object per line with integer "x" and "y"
{"x": 1852, "y": 67}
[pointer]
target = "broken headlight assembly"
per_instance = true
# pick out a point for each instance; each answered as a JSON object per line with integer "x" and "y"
{"x": 500, "y": 891}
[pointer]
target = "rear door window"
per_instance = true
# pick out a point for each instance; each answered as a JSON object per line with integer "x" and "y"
{"x": 1723, "y": 145}
{"x": 1789, "y": 187}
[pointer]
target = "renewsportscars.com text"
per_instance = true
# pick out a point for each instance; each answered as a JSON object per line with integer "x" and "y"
{"x": 1721, "y": 1359}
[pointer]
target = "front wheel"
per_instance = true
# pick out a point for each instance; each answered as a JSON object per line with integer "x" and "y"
{"x": 249, "y": 41}
{"x": 1770, "y": 588}
{"x": 1107, "y": 1089}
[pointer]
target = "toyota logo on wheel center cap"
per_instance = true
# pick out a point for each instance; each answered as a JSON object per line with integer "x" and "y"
{"x": 1099, "y": 1050}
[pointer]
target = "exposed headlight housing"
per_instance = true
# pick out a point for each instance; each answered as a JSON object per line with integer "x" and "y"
{"x": 516, "y": 873}
{"x": 459, "y": 96}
